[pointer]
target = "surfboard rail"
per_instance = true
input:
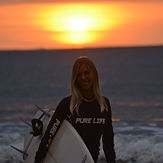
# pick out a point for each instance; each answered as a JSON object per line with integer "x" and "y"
{"x": 67, "y": 146}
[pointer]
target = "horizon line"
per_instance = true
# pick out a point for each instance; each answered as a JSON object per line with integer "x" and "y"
{"x": 105, "y": 47}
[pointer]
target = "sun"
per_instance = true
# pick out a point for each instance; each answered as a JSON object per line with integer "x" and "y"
{"x": 78, "y": 23}
{"x": 77, "y": 30}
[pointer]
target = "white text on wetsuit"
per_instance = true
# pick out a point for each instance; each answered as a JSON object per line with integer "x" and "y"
{"x": 54, "y": 127}
{"x": 52, "y": 132}
{"x": 90, "y": 120}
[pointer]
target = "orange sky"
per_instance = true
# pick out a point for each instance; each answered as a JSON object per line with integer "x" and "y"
{"x": 79, "y": 25}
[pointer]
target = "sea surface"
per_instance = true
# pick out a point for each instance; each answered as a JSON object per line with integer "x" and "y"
{"x": 132, "y": 78}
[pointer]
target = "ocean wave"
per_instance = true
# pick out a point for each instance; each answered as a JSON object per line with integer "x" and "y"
{"x": 137, "y": 149}
{"x": 129, "y": 149}
{"x": 8, "y": 155}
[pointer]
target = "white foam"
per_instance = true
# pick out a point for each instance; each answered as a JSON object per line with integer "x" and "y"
{"x": 138, "y": 149}
{"x": 9, "y": 155}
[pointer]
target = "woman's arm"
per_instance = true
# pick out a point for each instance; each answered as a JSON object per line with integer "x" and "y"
{"x": 53, "y": 126}
{"x": 108, "y": 138}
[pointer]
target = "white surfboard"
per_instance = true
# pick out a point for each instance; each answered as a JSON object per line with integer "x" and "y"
{"x": 31, "y": 143}
{"x": 67, "y": 146}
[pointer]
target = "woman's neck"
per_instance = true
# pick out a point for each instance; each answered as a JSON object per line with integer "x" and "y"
{"x": 88, "y": 95}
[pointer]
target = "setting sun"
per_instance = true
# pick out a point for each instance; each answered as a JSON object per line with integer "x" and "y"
{"x": 77, "y": 17}
{"x": 77, "y": 23}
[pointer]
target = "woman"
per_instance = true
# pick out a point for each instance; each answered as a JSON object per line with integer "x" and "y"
{"x": 87, "y": 110}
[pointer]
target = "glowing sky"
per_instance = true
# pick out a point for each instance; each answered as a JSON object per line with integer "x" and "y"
{"x": 77, "y": 25}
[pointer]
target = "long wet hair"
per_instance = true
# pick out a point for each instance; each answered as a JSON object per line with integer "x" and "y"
{"x": 76, "y": 96}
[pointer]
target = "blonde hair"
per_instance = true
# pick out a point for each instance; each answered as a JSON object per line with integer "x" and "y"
{"x": 76, "y": 96}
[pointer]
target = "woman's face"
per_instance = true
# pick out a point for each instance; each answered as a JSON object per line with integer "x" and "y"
{"x": 85, "y": 78}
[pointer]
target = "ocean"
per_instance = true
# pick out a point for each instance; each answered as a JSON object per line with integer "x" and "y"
{"x": 132, "y": 78}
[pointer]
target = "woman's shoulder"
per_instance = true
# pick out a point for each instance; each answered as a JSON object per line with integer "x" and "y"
{"x": 67, "y": 98}
{"x": 63, "y": 105}
{"x": 106, "y": 100}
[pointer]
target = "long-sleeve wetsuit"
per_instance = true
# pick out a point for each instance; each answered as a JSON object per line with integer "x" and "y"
{"x": 90, "y": 123}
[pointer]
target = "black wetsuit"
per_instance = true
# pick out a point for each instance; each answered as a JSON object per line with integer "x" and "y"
{"x": 90, "y": 123}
